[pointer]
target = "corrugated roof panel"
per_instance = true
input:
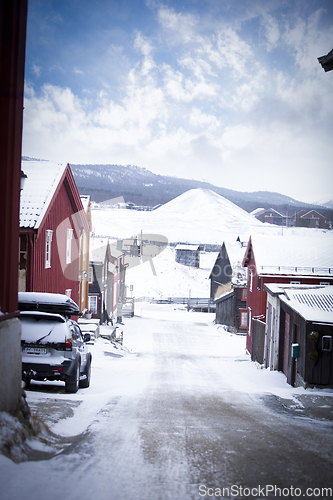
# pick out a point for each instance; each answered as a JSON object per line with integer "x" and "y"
{"x": 313, "y": 304}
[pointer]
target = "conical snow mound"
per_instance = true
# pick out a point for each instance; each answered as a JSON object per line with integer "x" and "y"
{"x": 203, "y": 206}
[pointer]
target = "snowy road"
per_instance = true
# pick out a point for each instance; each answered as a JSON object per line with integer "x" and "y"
{"x": 183, "y": 416}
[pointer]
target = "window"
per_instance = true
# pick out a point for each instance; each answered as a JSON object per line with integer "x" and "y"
{"x": 250, "y": 320}
{"x": 92, "y": 303}
{"x": 259, "y": 283}
{"x": 295, "y": 282}
{"x": 91, "y": 275}
{"x": 251, "y": 279}
{"x": 48, "y": 241}
{"x": 244, "y": 294}
{"x": 68, "y": 292}
{"x": 69, "y": 246}
{"x": 243, "y": 318}
{"x": 326, "y": 283}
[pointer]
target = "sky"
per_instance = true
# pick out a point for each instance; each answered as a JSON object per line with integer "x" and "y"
{"x": 226, "y": 91}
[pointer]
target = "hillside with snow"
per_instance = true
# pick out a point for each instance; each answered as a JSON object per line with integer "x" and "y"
{"x": 199, "y": 216}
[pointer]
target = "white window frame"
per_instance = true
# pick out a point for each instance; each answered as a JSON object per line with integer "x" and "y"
{"x": 69, "y": 245}
{"x": 48, "y": 241}
{"x": 251, "y": 280}
{"x": 91, "y": 275}
{"x": 243, "y": 319}
{"x": 250, "y": 321}
{"x": 93, "y": 309}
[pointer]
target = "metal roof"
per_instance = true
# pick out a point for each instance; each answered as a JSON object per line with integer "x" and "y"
{"x": 313, "y": 304}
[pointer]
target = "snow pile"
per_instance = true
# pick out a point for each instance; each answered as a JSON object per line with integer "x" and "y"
{"x": 23, "y": 437}
{"x": 197, "y": 216}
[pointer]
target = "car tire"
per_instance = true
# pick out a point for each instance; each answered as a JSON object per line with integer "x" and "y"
{"x": 72, "y": 382}
{"x": 87, "y": 372}
{"x": 27, "y": 381}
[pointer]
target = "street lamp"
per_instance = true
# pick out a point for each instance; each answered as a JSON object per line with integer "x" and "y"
{"x": 23, "y": 178}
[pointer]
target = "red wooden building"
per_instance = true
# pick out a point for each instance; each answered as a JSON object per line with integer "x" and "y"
{"x": 13, "y": 17}
{"x": 288, "y": 258}
{"x": 52, "y": 220}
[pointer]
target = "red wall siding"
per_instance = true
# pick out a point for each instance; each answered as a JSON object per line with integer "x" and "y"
{"x": 58, "y": 277}
{"x": 13, "y": 17}
{"x": 256, "y": 300}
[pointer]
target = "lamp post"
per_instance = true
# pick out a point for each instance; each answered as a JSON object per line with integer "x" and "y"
{"x": 23, "y": 178}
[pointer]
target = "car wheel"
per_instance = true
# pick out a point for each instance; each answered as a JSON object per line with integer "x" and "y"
{"x": 72, "y": 381}
{"x": 87, "y": 372}
{"x": 27, "y": 381}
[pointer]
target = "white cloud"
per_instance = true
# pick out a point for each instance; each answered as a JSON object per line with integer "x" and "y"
{"x": 181, "y": 26}
{"x": 198, "y": 118}
{"x": 214, "y": 107}
{"x": 142, "y": 44}
{"x": 36, "y": 70}
{"x": 272, "y": 30}
{"x": 231, "y": 51}
{"x": 308, "y": 39}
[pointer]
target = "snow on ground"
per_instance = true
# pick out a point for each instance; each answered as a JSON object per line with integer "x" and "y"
{"x": 114, "y": 368}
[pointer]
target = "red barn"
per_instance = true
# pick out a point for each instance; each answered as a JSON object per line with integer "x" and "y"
{"x": 51, "y": 222}
{"x": 288, "y": 258}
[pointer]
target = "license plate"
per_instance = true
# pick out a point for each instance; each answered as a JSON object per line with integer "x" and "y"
{"x": 34, "y": 350}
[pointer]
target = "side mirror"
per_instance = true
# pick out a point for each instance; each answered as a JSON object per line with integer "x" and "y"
{"x": 87, "y": 337}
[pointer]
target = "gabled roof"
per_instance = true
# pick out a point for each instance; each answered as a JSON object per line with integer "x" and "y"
{"x": 307, "y": 215}
{"x": 258, "y": 211}
{"x": 85, "y": 201}
{"x": 291, "y": 254}
{"x": 98, "y": 249}
{"x": 43, "y": 181}
{"x": 313, "y": 304}
{"x": 327, "y": 61}
{"x": 39, "y": 189}
{"x": 272, "y": 211}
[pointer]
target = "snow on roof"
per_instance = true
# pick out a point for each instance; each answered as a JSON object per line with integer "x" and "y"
{"x": 115, "y": 253}
{"x": 313, "y": 304}
{"x": 293, "y": 254}
{"x": 192, "y": 248}
{"x": 98, "y": 248}
{"x": 85, "y": 201}
{"x": 258, "y": 211}
{"x": 39, "y": 188}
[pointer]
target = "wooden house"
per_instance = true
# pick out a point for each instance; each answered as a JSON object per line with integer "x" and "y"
{"x": 228, "y": 286}
{"x": 188, "y": 255}
{"x": 311, "y": 219}
{"x": 302, "y": 344}
{"x": 13, "y": 16}
{"x": 283, "y": 259}
{"x": 271, "y": 216}
{"x": 106, "y": 280}
{"x": 84, "y": 256}
{"x": 52, "y": 220}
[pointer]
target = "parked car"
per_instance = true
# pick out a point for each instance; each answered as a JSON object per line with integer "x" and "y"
{"x": 53, "y": 346}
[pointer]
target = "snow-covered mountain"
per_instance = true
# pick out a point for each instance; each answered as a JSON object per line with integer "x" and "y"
{"x": 142, "y": 187}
